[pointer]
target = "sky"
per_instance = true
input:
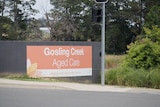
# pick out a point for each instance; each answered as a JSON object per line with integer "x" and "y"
{"x": 42, "y": 6}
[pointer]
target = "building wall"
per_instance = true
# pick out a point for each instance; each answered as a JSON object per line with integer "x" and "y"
{"x": 13, "y": 58}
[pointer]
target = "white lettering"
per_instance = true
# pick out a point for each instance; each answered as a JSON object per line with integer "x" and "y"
{"x": 56, "y": 52}
{"x": 46, "y": 51}
{"x": 77, "y": 51}
{"x": 73, "y": 62}
{"x": 60, "y": 63}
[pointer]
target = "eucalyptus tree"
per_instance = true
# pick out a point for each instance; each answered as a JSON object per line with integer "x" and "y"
{"x": 71, "y": 20}
{"x": 19, "y": 11}
{"x": 2, "y": 7}
{"x": 122, "y": 25}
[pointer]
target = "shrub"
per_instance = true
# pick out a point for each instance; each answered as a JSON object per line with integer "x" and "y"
{"x": 143, "y": 54}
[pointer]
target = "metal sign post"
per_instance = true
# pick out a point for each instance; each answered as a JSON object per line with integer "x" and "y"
{"x": 103, "y": 46}
{"x": 102, "y": 41}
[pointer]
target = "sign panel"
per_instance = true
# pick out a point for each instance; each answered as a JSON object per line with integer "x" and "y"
{"x": 59, "y": 61}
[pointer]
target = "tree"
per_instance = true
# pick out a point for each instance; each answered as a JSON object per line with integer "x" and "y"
{"x": 2, "y": 6}
{"x": 122, "y": 23}
{"x": 33, "y": 31}
{"x": 145, "y": 51}
{"x": 19, "y": 11}
{"x": 76, "y": 16}
{"x": 6, "y": 28}
{"x": 152, "y": 17}
{"x": 63, "y": 19}
{"x": 146, "y": 5}
{"x": 152, "y": 24}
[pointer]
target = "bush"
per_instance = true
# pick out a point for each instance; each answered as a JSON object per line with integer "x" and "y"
{"x": 143, "y": 54}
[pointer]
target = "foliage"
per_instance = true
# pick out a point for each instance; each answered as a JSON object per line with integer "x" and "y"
{"x": 122, "y": 75}
{"x": 111, "y": 77}
{"x": 127, "y": 76}
{"x": 136, "y": 78}
{"x": 117, "y": 76}
{"x": 154, "y": 78}
{"x": 19, "y": 11}
{"x": 115, "y": 39}
{"x": 70, "y": 20}
{"x": 123, "y": 22}
{"x": 33, "y": 31}
{"x": 6, "y": 28}
{"x": 152, "y": 17}
{"x": 153, "y": 33}
{"x": 119, "y": 28}
{"x": 147, "y": 5}
{"x": 143, "y": 54}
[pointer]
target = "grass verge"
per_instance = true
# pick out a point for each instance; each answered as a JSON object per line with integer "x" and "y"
{"x": 133, "y": 77}
{"x": 26, "y": 78}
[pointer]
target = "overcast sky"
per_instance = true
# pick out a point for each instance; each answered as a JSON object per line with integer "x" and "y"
{"x": 42, "y": 6}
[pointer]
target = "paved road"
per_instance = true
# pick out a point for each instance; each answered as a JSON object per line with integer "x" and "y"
{"x": 25, "y": 97}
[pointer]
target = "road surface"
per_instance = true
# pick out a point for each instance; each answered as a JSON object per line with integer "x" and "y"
{"x": 25, "y": 97}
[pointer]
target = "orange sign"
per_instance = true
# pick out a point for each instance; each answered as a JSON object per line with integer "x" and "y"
{"x": 59, "y": 61}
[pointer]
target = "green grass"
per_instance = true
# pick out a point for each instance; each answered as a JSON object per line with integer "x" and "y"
{"x": 26, "y": 78}
{"x": 154, "y": 79}
{"x": 126, "y": 76}
{"x": 110, "y": 77}
{"x": 136, "y": 78}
